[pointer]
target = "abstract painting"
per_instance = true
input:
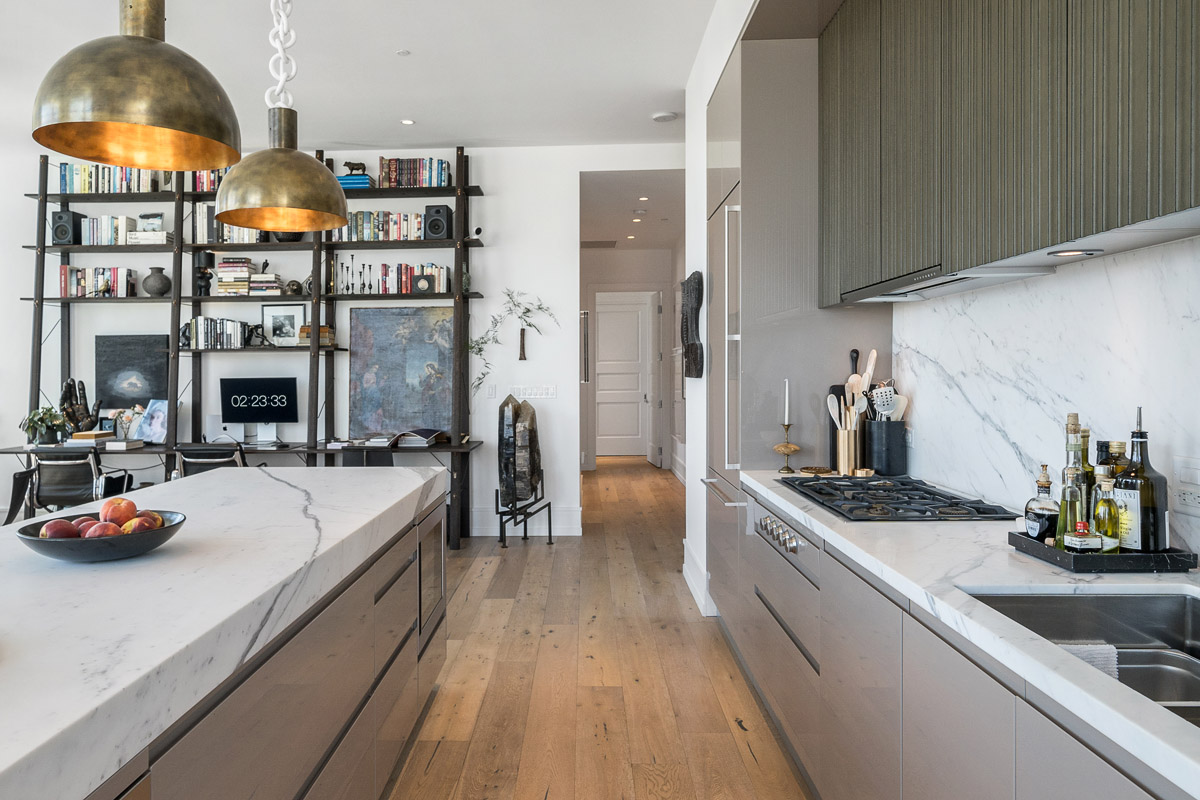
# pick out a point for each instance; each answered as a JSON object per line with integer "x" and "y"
{"x": 130, "y": 370}
{"x": 401, "y": 369}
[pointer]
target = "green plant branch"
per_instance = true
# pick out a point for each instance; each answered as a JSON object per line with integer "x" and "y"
{"x": 515, "y": 307}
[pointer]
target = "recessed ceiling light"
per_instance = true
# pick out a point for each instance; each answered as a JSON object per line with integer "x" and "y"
{"x": 407, "y": 122}
{"x": 639, "y": 212}
{"x": 630, "y": 237}
{"x": 664, "y": 116}
{"x": 404, "y": 52}
{"x": 1073, "y": 253}
{"x": 637, "y": 219}
{"x": 643, "y": 199}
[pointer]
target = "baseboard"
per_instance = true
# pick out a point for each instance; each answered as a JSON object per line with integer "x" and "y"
{"x": 697, "y": 581}
{"x": 679, "y": 468}
{"x": 568, "y": 521}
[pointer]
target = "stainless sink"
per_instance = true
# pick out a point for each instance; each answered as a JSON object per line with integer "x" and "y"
{"x": 1165, "y": 676}
{"x": 1144, "y": 621}
{"x": 1157, "y": 637}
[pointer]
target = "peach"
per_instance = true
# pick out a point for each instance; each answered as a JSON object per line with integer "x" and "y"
{"x": 118, "y": 511}
{"x": 83, "y": 526}
{"x": 59, "y": 529}
{"x": 102, "y": 529}
{"x": 80, "y": 520}
{"x": 153, "y": 516}
{"x": 138, "y": 524}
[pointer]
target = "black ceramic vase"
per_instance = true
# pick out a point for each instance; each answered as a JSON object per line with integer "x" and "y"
{"x": 156, "y": 284}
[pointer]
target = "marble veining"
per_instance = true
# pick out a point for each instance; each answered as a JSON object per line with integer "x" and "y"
{"x": 937, "y": 565}
{"x": 96, "y": 660}
{"x": 991, "y": 374}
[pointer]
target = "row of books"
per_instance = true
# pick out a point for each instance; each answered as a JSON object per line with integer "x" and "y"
{"x": 96, "y": 281}
{"x": 208, "y": 180}
{"x": 413, "y": 172}
{"x": 328, "y": 336}
{"x": 210, "y": 231}
{"x": 236, "y": 277}
{"x": 381, "y": 226}
{"x": 101, "y": 178}
{"x": 400, "y": 279}
{"x": 356, "y": 181}
{"x": 215, "y": 333}
{"x": 107, "y": 230}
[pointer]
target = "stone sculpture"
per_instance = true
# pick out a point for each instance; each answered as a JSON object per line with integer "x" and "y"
{"x": 689, "y": 326}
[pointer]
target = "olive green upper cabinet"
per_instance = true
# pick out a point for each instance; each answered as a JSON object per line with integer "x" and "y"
{"x": 910, "y": 141}
{"x": 724, "y": 123}
{"x": 1003, "y": 95}
{"x": 1133, "y": 76}
{"x": 850, "y": 150}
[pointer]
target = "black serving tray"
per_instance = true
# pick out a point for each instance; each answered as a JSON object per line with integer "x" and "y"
{"x": 1172, "y": 560}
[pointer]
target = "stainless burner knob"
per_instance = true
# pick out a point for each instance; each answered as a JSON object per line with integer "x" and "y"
{"x": 793, "y": 544}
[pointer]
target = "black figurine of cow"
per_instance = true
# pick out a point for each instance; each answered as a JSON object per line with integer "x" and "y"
{"x": 355, "y": 167}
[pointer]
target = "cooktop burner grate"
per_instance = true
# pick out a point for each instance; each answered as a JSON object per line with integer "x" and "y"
{"x": 893, "y": 500}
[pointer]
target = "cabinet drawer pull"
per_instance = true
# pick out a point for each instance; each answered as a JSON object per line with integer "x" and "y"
{"x": 812, "y": 662}
{"x": 399, "y": 574}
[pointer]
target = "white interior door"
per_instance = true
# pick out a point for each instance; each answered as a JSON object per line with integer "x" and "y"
{"x": 623, "y": 373}
{"x": 654, "y": 437}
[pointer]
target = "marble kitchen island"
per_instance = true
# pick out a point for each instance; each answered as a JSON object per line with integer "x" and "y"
{"x": 931, "y": 572}
{"x": 98, "y": 660}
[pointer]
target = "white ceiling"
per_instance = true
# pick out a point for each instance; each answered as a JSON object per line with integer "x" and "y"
{"x": 606, "y": 208}
{"x": 481, "y": 73}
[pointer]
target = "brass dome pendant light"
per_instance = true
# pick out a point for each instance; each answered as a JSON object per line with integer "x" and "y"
{"x": 135, "y": 101}
{"x": 280, "y": 188}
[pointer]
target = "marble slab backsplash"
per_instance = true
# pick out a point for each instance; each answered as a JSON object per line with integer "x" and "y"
{"x": 992, "y": 374}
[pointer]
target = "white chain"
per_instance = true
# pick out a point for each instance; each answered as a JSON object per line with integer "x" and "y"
{"x": 282, "y": 65}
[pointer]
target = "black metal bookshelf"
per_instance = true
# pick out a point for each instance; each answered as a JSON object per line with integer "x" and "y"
{"x": 323, "y": 306}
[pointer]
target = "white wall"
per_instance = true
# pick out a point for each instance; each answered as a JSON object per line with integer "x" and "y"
{"x": 621, "y": 270}
{"x": 530, "y": 217}
{"x": 678, "y": 398}
{"x": 992, "y": 374}
{"x": 725, "y": 26}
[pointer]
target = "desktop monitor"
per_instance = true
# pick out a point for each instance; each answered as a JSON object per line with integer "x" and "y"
{"x": 259, "y": 404}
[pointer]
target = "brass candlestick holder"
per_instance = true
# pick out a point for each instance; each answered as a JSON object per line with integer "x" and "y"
{"x": 787, "y": 450}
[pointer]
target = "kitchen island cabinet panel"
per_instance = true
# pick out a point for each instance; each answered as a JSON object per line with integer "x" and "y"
{"x": 1133, "y": 132}
{"x": 1052, "y": 763}
{"x": 861, "y": 646}
{"x": 958, "y": 724}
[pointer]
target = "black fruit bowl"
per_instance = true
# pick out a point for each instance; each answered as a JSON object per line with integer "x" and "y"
{"x": 106, "y": 548}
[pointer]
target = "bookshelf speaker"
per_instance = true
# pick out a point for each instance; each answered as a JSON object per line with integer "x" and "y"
{"x": 438, "y": 222}
{"x": 64, "y": 227}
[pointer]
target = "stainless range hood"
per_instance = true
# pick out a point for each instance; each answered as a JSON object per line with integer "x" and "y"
{"x": 931, "y": 282}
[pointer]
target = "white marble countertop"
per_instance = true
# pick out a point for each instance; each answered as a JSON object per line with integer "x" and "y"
{"x": 96, "y": 660}
{"x": 936, "y": 565}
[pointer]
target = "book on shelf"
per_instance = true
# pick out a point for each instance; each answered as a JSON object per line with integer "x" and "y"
{"x": 79, "y": 443}
{"x": 150, "y": 237}
{"x": 381, "y": 226}
{"x": 96, "y": 281}
{"x": 208, "y": 180}
{"x": 214, "y": 333}
{"x": 411, "y": 173}
{"x": 106, "y": 230}
{"x": 210, "y": 231}
{"x": 92, "y": 436}
{"x": 416, "y": 437}
{"x": 356, "y": 181}
{"x": 124, "y": 444}
{"x": 328, "y": 336}
{"x": 104, "y": 179}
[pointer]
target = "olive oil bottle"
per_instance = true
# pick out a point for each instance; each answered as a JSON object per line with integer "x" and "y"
{"x": 1116, "y": 461}
{"x": 1106, "y": 521}
{"x": 1071, "y": 510}
{"x": 1089, "y": 472}
{"x": 1141, "y": 496}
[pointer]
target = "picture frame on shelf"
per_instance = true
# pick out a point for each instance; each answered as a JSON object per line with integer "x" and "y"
{"x": 281, "y": 323}
{"x": 152, "y": 427}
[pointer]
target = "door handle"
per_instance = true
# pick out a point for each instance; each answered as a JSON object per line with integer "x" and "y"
{"x": 711, "y": 485}
{"x": 585, "y": 374}
{"x": 730, "y": 338}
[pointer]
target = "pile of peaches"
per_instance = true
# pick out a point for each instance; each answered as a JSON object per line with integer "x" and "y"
{"x": 116, "y": 517}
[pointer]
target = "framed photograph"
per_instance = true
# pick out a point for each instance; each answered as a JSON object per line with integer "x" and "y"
{"x": 281, "y": 323}
{"x": 130, "y": 370}
{"x": 401, "y": 363}
{"x": 153, "y": 425}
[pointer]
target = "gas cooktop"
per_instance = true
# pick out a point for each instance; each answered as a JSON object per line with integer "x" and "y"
{"x": 899, "y": 499}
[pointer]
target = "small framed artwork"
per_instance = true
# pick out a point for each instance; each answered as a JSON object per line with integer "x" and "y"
{"x": 153, "y": 425}
{"x": 281, "y": 323}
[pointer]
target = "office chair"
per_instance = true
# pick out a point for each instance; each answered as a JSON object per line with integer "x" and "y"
{"x": 197, "y": 458}
{"x": 62, "y": 480}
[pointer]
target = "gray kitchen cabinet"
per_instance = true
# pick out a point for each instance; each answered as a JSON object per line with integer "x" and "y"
{"x": 860, "y": 721}
{"x": 349, "y": 774}
{"x": 958, "y": 724}
{"x": 850, "y": 148}
{"x": 724, "y": 134}
{"x": 1052, "y": 763}
{"x": 910, "y": 142}
{"x": 1003, "y": 94}
{"x": 1134, "y": 137}
{"x": 723, "y": 529}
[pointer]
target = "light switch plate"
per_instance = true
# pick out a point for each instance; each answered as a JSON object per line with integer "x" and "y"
{"x": 1186, "y": 485}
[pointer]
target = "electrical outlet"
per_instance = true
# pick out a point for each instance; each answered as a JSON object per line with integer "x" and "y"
{"x": 908, "y": 437}
{"x": 491, "y": 391}
{"x": 1186, "y": 499}
{"x": 546, "y": 392}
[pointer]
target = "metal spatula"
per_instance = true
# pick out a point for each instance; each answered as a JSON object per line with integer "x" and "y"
{"x": 885, "y": 401}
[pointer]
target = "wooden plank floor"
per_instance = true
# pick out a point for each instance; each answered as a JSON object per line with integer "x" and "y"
{"x": 584, "y": 670}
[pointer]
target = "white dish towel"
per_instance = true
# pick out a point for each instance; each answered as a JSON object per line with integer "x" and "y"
{"x": 1101, "y": 656}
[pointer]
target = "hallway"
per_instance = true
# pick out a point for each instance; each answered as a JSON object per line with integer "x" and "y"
{"x": 584, "y": 670}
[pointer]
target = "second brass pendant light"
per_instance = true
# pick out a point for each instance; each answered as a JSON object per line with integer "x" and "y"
{"x": 280, "y": 188}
